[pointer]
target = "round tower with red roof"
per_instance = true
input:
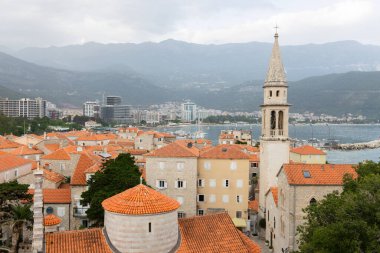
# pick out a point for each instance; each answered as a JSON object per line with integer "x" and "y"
{"x": 141, "y": 219}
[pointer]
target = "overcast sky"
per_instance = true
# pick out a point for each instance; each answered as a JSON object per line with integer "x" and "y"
{"x": 43, "y": 23}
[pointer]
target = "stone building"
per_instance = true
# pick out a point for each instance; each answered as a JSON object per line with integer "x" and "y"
{"x": 299, "y": 185}
{"x": 308, "y": 154}
{"x": 172, "y": 170}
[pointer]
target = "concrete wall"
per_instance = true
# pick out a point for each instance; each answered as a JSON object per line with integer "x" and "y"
{"x": 171, "y": 174}
{"x": 76, "y": 220}
{"x": 29, "y": 179}
{"x": 68, "y": 165}
{"x": 130, "y": 233}
{"x": 220, "y": 170}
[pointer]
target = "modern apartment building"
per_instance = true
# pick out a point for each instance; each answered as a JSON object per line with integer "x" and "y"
{"x": 115, "y": 112}
{"x": 24, "y": 107}
{"x": 91, "y": 108}
{"x": 188, "y": 111}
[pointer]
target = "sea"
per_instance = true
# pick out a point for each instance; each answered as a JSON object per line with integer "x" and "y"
{"x": 343, "y": 133}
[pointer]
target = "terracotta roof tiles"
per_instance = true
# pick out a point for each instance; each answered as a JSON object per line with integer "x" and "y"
{"x": 274, "y": 191}
{"x": 307, "y": 150}
{"x": 224, "y": 151}
{"x": 317, "y": 174}
{"x": 140, "y": 200}
{"x": 55, "y": 196}
{"x": 24, "y": 150}
{"x": 51, "y": 220}
{"x": 175, "y": 150}
{"x": 213, "y": 233}
{"x": 59, "y": 154}
{"x": 9, "y": 161}
{"x": 79, "y": 175}
{"x": 77, "y": 241}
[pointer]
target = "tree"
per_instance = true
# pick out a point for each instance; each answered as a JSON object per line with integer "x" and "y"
{"x": 11, "y": 209}
{"x": 346, "y": 222}
{"x": 117, "y": 175}
{"x": 22, "y": 216}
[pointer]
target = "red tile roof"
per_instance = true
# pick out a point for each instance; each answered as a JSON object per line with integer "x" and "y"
{"x": 77, "y": 241}
{"x": 224, "y": 151}
{"x": 254, "y": 158}
{"x": 253, "y": 205}
{"x": 60, "y": 154}
{"x": 79, "y": 175}
{"x": 226, "y": 136}
{"x": 9, "y": 161}
{"x": 53, "y": 176}
{"x": 307, "y": 150}
{"x": 274, "y": 191}
{"x": 57, "y": 196}
{"x": 136, "y": 151}
{"x": 213, "y": 233}
{"x": 7, "y": 144}
{"x": 24, "y": 150}
{"x": 51, "y": 220}
{"x": 320, "y": 174}
{"x": 140, "y": 200}
{"x": 175, "y": 150}
{"x": 52, "y": 146}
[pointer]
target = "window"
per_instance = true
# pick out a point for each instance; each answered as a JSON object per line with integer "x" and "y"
{"x": 212, "y": 198}
{"x": 233, "y": 165}
{"x": 201, "y": 212}
{"x": 254, "y": 174}
{"x": 238, "y": 214}
{"x": 181, "y": 214}
{"x": 270, "y": 93}
{"x": 277, "y": 93}
{"x": 239, "y": 198}
{"x": 226, "y": 198}
{"x": 207, "y": 165}
{"x": 49, "y": 210}
{"x": 313, "y": 201}
{"x": 180, "y": 166}
{"x": 268, "y": 215}
{"x": 161, "y": 165}
{"x": 16, "y": 173}
{"x": 274, "y": 222}
{"x": 212, "y": 183}
{"x": 225, "y": 183}
{"x": 239, "y": 183}
{"x": 62, "y": 167}
{"x": 150, "y": 227}
{"x": 161, "y": 184}
{"x": 306, "y": 174}
{"x": 201, "y": 182}
{"x": 61, "y": 211}
{"x": 84, "y": 223}
{"x": 253, "y": 165}
{"x": 180, "y": 184}
{"x": 201, "y": 198}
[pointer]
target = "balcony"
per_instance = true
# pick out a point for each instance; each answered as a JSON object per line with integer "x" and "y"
{"x": 80, "y": 211}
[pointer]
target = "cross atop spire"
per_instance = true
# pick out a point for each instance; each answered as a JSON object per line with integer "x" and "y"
{"x": 276, "y": 27}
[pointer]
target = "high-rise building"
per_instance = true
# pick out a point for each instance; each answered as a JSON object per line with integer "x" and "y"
{"x": 91, "y": 108}
{"x": 188, "y": 111}
{"x": 24, "y": 107}
{"x": 115, "y": 112}
{"x": 274, "y": 142}
{"x": 113, "y": 100}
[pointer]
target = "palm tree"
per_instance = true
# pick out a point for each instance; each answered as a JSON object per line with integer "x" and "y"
{"x": 21, "y": 216}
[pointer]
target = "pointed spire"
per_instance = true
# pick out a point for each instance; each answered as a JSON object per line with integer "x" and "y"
{"x": 276, "y": 73}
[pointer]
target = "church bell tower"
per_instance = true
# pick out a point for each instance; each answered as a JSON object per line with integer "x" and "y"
{"x": 274, "y": 141}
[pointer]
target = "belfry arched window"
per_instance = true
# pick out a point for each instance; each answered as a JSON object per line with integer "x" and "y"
{"x": 313, "y": 201}
{"x": 280, "y": 120}
{"x": 270, "y": 93}
{"x": 273, "y": 120}
{"x": 277, "y": 93}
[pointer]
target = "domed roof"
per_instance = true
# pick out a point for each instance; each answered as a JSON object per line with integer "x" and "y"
{"x": 51, "y": 220}
{"x": 140, "y": 200}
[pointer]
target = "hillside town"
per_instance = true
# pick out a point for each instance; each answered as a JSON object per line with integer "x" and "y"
{"x": 189, "y": 195}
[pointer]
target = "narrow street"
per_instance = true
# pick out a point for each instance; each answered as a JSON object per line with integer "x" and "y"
{"x": 264, "y": 248}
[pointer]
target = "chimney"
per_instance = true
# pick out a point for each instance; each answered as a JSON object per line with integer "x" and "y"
{"x": 30, "y": 145}
{"x": 38, "y": 225}
{"x": 45, "y": 136}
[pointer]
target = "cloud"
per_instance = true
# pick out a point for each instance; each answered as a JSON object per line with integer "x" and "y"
{"x": 44, "y": 23}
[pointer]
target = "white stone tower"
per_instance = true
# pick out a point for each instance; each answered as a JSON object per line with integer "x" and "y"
{"x": 38, "y": 226}
{"x": 274, "y": 141}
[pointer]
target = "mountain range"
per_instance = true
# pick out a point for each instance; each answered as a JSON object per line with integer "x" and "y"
{"x": 174, "y": 64}
{"x": 214, "y": 76}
